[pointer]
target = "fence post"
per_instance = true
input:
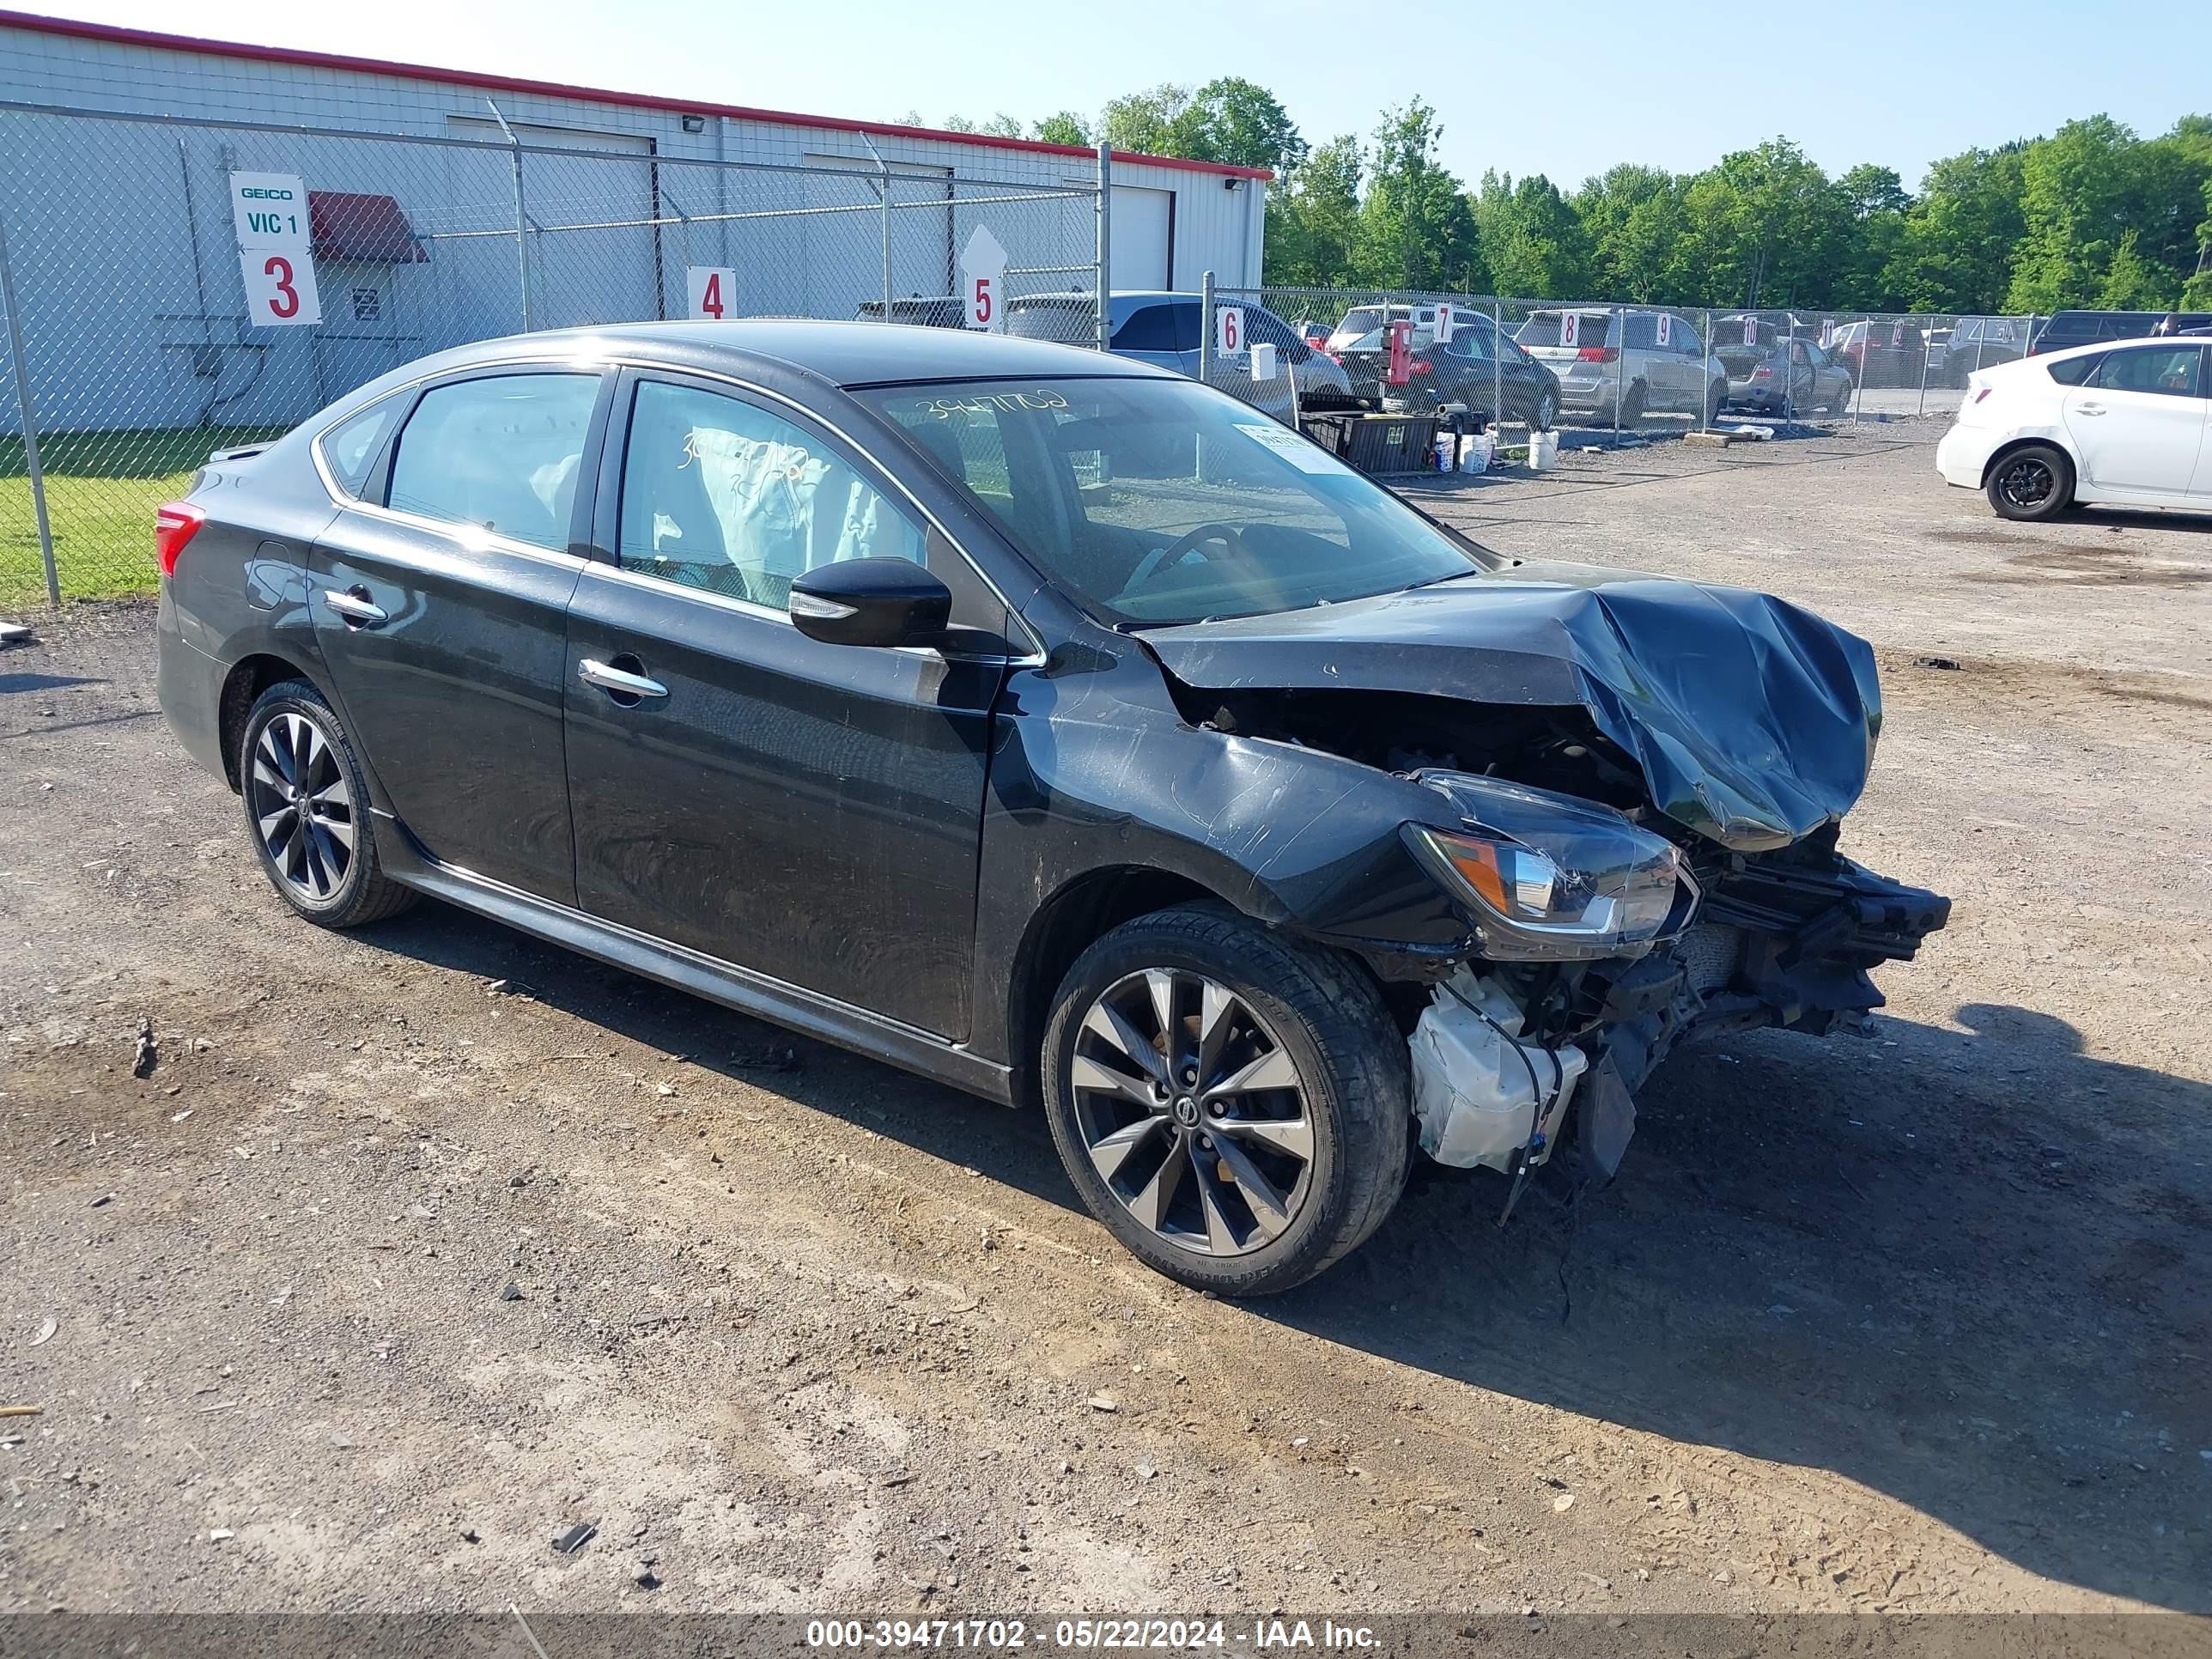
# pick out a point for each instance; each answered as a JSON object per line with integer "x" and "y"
{"x": 883, "y": 167}
{"x": 1706, "y": 411}
{"x": 1497, "y": 373}
{"x": 1921, "y": 408}
{"x": 1105, "y": 274}
{"x": 1206, "y": 328}
{"x": 521, "y": 214}
{"x": 23, "y": 410}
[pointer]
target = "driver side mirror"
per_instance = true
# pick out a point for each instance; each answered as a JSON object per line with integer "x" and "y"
{"x": 879, "y": 602}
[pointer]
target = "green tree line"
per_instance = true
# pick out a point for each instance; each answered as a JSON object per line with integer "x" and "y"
{"x": 2092, "y": 215}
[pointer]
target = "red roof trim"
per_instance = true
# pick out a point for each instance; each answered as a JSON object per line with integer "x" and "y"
{"x": 119, "y": 35}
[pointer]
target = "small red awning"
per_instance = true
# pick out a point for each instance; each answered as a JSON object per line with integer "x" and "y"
{"x": 350, "y": 225}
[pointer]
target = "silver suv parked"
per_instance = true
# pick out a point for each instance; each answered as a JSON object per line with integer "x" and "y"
{"x": 1611, "y": 363}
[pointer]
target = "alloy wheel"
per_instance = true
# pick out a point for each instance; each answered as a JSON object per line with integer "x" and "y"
{"x": 2028, "y": 482}
{"x": 303, "y": 809}
{"x": 1192, "y": 1112}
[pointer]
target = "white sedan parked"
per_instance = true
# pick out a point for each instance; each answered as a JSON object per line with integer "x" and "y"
{"x": 2121, "y": 424}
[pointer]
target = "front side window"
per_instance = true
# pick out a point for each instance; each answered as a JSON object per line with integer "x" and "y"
{"x": 719, "y": 494}
{"x": 1153, "y": 501}
{"x": 500, "y": 452}
{"x": 2170, "y": 370}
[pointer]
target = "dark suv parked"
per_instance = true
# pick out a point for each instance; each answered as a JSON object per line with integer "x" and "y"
{"x": 1045, "y": 723}
{"x": 2074, "y": 328}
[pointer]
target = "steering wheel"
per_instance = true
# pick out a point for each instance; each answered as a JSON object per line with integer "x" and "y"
{"x": 1161, "y": 558}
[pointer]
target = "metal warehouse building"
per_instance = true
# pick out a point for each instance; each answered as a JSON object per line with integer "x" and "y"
{"x": 446, "y": 206}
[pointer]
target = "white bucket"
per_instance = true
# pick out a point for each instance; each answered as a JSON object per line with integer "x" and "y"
{"x": 1477, "y": 451}
{"x": 1543, "y": 450}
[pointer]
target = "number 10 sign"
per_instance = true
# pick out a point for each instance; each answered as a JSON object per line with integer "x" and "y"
{"x": 268, "y": 211}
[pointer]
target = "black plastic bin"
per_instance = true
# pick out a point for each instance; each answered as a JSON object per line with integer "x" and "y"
{"x": 1378, "y": 444}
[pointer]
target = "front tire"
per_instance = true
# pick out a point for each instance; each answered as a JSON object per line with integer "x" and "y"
{"x": 2031, "y": 484}
{"x": 1233, "y": 1106}
{"x": 306, "y": 808}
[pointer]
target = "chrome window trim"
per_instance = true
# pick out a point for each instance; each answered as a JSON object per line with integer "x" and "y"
{"x": 599, "y": 364}
{"x": 707, "y": 596}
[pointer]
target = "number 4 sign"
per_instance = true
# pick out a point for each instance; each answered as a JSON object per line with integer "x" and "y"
{"x": 714, "y": 291}
{"x": 983, "y": 276}
{"x": 270, "y": 214}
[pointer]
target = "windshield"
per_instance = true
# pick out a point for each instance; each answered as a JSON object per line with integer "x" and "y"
{"x": 1155, "y": 502}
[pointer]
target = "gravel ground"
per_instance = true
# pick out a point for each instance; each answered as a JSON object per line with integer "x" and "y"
{"x": 419, "y": 1246}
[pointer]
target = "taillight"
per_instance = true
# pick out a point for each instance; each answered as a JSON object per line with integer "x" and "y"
{"x": 1984, "y": 393}
{"x": 175, "y": 523}
{"x": 1598, "y": 355}
{"x": 1762, "y": 372}
{"x": 1419, "y": 366}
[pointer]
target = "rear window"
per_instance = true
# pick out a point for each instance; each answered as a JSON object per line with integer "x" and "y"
{"x": 1065, "y": 318}
{"x": 1542, "y": 329}
{"x": 2076, "y": 371}
{"x": 1163, "y": 327}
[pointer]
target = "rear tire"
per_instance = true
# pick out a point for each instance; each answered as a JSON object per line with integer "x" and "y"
{"x": 2031, "y": 484}
{"x": 1633, "y": 405}
{"x": 307, "y": 809}
{"x": 1245, "y": 1161}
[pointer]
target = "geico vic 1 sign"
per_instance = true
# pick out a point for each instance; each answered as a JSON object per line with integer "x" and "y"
{"x": 269, "y": 212}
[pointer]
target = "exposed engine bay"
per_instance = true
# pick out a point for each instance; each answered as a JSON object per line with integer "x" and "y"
{"x": 1525, "y": 1047}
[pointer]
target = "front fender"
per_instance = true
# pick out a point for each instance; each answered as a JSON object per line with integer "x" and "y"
{"x": 1093, "y": 768}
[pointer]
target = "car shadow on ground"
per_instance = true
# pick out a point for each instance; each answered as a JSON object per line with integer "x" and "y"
{"x": 1963, "y": 1269}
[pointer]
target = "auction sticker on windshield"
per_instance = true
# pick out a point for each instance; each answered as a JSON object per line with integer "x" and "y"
{"x": 1306, "y": 456}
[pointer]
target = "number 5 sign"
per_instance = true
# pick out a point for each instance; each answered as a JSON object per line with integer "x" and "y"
{"x": 270, "y": 213}
{"x": 983, "y": 276}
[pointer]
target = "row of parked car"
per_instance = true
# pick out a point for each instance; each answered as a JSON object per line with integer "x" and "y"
{"x": 1593, "y": 365}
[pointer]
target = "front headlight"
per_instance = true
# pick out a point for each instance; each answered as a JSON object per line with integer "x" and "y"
{"x": 1549, "y": 878}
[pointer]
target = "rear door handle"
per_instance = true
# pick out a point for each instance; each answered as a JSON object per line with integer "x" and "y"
{"x": 358, "y": 609}
{"x": 618, "y": 680}
{"x": 2088, "y": 409}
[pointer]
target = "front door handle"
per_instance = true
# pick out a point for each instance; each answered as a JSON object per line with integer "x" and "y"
{"x": 356, "y": 607}
{"x": 618, "y": 682}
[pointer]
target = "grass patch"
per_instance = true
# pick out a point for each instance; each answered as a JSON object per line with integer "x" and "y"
{"x": 101, "y": 491}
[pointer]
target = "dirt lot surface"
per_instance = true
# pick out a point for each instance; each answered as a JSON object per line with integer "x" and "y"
{"x": 420, "y": 1245}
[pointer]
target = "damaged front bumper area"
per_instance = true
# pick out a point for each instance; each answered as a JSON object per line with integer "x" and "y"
{"x": 1514, "y": 1059}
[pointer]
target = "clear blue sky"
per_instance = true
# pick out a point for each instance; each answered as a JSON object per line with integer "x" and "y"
{"x": 1563, "y": 89}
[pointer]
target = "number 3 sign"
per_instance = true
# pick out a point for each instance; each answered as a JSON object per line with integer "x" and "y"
{"x": 270, "y": 211}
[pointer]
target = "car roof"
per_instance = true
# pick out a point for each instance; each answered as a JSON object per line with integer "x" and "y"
{"x": 2099, "y": 348}
{"x": 845, "y": 354}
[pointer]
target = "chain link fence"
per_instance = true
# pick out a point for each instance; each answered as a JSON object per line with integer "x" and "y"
{"x": 1604, "y": 372}
{"x": 140, "y": 336}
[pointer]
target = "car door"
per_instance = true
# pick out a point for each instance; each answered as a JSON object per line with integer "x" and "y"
{"x": 2138, "y": 421}
{"x": 809, "y": 811}
{"x": 439, "y": 601}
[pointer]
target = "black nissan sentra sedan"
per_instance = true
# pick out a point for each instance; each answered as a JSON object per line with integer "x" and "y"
{"x": 1044, "y": 723}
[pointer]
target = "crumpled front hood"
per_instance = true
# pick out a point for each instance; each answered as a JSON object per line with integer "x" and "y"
{"x": 1753, "y": 721}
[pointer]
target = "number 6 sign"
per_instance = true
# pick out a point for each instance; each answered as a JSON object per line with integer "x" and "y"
{"x": 1229, "y": 330}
